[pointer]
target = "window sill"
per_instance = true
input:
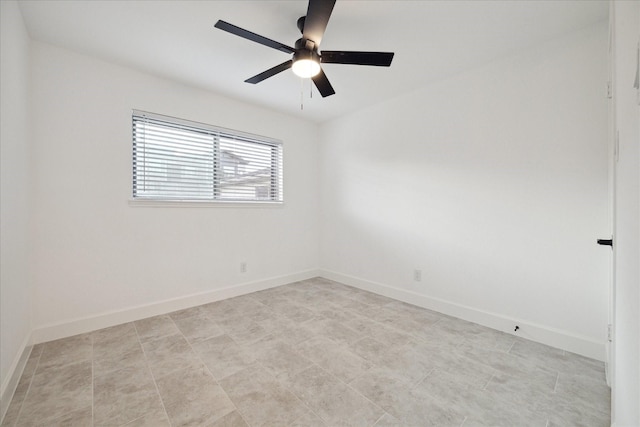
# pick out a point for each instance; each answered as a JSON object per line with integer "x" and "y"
{"x": 141, "y": 203}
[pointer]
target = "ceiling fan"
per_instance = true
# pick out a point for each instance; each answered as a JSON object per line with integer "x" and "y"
{"x": 306, "y": 56}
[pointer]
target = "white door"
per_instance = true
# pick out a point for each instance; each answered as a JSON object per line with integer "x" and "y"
{"x": 612, "y": 137}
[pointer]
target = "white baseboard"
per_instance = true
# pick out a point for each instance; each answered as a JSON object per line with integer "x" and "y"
{"x": 557, "y": 338}
{"x": 104, "y": 320}
{"x": 10, "y": 383}
{"x": 546, "y": 335}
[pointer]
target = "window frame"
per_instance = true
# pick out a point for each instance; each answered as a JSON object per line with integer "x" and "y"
{"x": 275, "y": 162}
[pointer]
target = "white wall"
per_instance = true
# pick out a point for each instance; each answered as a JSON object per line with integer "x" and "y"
{"x": 15, "y": 287}
{"x": 493, "y": 183}
{"x": 626, "y": 378}
{"x": 94, "y": 253}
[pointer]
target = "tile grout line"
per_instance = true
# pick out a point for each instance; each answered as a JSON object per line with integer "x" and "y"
{"x": 352, "y": 388}
{"x": 347, "y": 384}
{"x": 357, "y": 377}
{"x": 312, "y": 363}
{"x": 208, "y": 370}
{"x": 303, "y": 404}
{"x": 283, "y": 385}
{"x": 555, "y": 386}
{"x": 153, "y": 378}
{"x": 423, "y": 378}
{"x": 379, "y": 418}
{"x": 296, "y": 396}
{"x": 488, "y": 382}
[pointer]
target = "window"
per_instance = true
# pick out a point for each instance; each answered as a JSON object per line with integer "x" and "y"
{"x": 176, "y": 159}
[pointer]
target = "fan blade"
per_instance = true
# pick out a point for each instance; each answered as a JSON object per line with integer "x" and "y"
{"x": 270, "y": 72}
{"x": 230, "y": 28}
{"x": 322, "y": 83}
{"x": 318, "y": 14}
{"x": 379, "y": 59}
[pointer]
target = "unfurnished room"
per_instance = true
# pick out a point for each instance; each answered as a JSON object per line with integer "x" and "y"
{"x": 320, "y": 213}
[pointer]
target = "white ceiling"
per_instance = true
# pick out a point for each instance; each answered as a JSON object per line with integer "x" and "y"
{"x": 431, "y": 40}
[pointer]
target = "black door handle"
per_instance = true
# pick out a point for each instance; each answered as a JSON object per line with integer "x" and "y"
{"x": 605, "y": 242}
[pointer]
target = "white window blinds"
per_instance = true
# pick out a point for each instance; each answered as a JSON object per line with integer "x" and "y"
{"x": 176, "y": 159}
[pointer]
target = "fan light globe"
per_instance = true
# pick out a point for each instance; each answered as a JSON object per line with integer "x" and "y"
{"x": 305, "y": 68}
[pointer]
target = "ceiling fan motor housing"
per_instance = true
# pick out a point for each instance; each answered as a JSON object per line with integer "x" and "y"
{"x": 302, "y": 44}
{"x": 300, "y": 23}
{"x": 303, "y": 51}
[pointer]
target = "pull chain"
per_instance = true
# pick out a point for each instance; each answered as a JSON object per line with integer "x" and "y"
{"x": 302, "y": 91}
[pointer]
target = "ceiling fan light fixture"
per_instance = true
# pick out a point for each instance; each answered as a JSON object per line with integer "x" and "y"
{"x": 305, "y": 64}
{"x": 306, "y": 68}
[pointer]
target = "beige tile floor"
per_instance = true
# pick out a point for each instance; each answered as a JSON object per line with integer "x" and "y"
{"x": 313, "y": 353}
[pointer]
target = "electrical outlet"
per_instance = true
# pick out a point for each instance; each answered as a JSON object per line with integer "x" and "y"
{"x": 417, "y": 275}
{"x": 243, "y": 267}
